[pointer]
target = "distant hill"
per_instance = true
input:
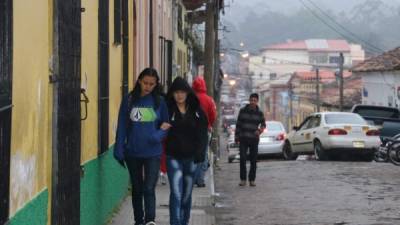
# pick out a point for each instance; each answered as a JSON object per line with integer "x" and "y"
{"x": 372, "y": 23}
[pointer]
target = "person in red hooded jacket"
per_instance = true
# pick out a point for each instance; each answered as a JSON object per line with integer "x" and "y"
{"x": 208, "y": 106}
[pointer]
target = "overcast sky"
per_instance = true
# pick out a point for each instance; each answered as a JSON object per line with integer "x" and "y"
{"x": 237, "y": 10}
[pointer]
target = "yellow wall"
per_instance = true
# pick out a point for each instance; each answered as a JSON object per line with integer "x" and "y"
{"x": 32, "y": 97}
{"x": 90, "y": 77}
{"x": 115, "y": 85}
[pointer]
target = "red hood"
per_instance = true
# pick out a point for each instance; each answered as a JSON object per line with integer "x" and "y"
{"x": 199, "y": 85}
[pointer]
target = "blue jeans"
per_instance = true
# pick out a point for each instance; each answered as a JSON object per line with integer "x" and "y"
{"x": 143, "y": 187}
{"x": 180, "y": 175}
{"x": 203, "y": 166}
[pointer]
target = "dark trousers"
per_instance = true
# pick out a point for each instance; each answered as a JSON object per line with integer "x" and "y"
{"x": 252, "y": 146}
{"x": 144, "y": 175}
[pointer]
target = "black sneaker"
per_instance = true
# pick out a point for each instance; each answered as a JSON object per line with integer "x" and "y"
{"x": 201, "y": 185}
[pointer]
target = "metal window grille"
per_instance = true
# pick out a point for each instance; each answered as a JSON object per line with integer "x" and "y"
{"x": 5, "y": 105}
{"x": 125, "y": 47}
{"x": 161, "y": 57}
{"x": 103, "y": 75}
{"x": 169, "y": 62}
{"x": 67, "y": 115}
{"x": 117, "y": 21}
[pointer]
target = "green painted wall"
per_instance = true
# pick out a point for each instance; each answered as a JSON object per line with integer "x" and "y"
{"x": 33, "y": 213}
{"x": 104, "y": 185}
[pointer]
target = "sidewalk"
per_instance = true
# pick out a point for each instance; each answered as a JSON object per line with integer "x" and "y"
{"x": 202, "y": 206}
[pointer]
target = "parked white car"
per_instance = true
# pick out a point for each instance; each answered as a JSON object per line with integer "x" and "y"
{"x": 330, "y": 133}
{"x": 233, "y": 151}
{"x": 272, "y": 139}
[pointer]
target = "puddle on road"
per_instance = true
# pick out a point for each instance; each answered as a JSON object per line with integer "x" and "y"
{"x": 305, "y": 158}
{"x": 220, "y": 205}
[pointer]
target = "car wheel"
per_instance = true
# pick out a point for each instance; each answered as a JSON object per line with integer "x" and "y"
{"x": 319, "y": 151}
{"x": 287, "y": 152}
{"x": 394, "y": 154}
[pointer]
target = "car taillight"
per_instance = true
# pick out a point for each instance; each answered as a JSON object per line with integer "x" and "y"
{"x": 337, "y": 132}
{"x": 280, "y": 137}
{"x": 373, "y": 133}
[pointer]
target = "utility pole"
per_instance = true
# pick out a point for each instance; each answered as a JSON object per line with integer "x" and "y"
{"x": 290, "y": 105}
{"x": 209, "y": 46}
{"x": 317, "y": 89}
{"x": 341, "y": 62}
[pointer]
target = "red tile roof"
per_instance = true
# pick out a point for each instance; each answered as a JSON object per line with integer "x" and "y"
{"x": 314, "y": 45}
{"x": 295, "y": 45}
{"x": 388, "y": 61}
{"x": 338, "y": 45}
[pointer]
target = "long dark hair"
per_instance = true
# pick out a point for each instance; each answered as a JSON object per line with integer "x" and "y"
{"x": 134, "y": 95}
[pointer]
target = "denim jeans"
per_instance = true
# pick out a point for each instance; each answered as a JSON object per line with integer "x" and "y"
{"x": 252, "y": 146}
{"x": 144, "y": 175}
{"x": 180, "y": 175}
{"x": 203, "y": 166}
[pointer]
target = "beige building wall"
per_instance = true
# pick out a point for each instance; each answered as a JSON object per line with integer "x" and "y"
{"x": 132, "y": 43}
{"x": 142, "y": 34}
{"x": 115, "y": 78}
{"x": 30, "y": 169}
{"x": 89, "y": 78}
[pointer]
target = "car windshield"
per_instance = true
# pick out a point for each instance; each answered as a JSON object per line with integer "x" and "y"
{"x": 378, "y": 112}
{"x": 344, "y": 119}
{"x": 274, "y": 127}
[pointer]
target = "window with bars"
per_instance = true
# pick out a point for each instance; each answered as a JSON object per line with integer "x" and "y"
{"x": 117, "y": 21}
{"x": 180, "y": 22}
{"x": 104, "y": 62}
{"x": 125, "y": 47}
{"x": 5, "y": 105}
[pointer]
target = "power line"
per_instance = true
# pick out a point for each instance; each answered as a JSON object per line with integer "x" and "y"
{"x": 332, "y": 27}
{"x": 344, "y": 28}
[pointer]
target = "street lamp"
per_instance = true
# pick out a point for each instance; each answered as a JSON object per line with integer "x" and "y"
{"x": 225, "y": 75}
{"x": 232, "y": 82}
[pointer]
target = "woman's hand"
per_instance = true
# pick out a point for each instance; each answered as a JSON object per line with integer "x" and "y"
{"x": 165, "y": 126}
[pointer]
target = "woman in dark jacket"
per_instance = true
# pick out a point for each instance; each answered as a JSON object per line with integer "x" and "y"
{"x": 184, "y": 147}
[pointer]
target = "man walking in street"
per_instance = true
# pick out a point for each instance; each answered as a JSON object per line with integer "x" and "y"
{"x": 208, "y": 106}
{"x": 250, "y": 124}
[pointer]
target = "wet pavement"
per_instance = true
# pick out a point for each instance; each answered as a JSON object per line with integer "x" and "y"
{"x": 309, "y": 192}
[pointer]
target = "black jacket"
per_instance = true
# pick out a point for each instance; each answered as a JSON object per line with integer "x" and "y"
{"x": 187, "y": 138}
{"x": 248, "y": 122}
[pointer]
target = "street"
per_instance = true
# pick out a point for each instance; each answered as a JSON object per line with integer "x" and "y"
{"x": 309, "y": 192}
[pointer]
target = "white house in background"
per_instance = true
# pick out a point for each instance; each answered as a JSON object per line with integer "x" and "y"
{"x": 278, "y": 59}
{"x": 381, "y": 79}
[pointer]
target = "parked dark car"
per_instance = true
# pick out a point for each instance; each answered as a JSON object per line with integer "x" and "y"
{"x": 387, "y": 119}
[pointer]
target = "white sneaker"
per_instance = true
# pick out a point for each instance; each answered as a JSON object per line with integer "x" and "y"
{"x": 151, "y": 223}
{"x": 163, "y": 178}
